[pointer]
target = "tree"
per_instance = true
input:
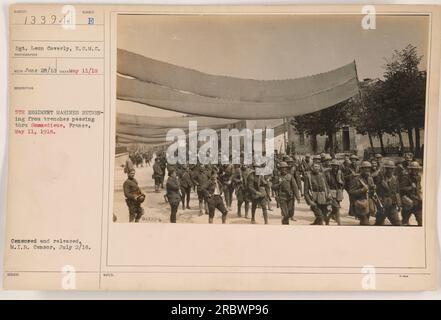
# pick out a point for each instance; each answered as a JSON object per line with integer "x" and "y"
{"x": 325, "y": 122}
{"x": 404, "y": 92}
{"x": 369, "y": 115}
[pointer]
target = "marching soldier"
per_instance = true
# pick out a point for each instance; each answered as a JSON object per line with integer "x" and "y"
{"x": 317, "y": 194}
{"x": 389, "y": 194}
{"x": 306, "y": 163}
{"x": 362, "y": 189}
{"x": 201, "y": 180}
{"x": 257, "y": 192}
{"x": 134, "y": 197}
{"x": 173, "y": 194}
{"x": 227, "y": 184}
{"x": 239, "y": 181}
{"x": 157, "y": 174}
{"x": 294, "y": 170}
{"x": 163, "y": 165}
{"x": 194, "y": 171}
{"x": 287, "y": 189}
{"x": 326, "y": 163}
{"x": 351, "y": 172}
{"x": 334, "y": 178}
{"x": 411, "y": 195}
{"x": 354, "y": 164}
{"x": 274, "y": 182}
{"x": 186, "y": 184}
{"x": 379, "y": 159}
{"x": 214, "y": 198}
{"x": 408, "y": 158}
{"x": 268, "y": 188}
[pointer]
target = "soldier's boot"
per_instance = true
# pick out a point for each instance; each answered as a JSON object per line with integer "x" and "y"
{"x": 239, "y": 207}
{"x": 139, "y": 215}
{"x": 131, "y": 218}
{"x": 419, "y": 218}
{"x": 224, "y": 218}
{"x": 156, "y": 188}
{"x": 200, "y": 209}
{"x": 253, "y": 217}
{"x": 210, "y": 220}
{"x": 320, "y": 221}
{"x": 188, "y": 203}
{"x": 183, "y": 205}
{"x": 265, "y": 217}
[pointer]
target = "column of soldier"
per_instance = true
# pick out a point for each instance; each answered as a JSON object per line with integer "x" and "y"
{"x": 377, "y": 188}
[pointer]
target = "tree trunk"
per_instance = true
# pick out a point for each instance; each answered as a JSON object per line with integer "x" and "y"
{"x": 380, "y": 136}
{"x": 401, "y": 142}
{"x": 417, "y": 143}
{"x": 313, "y": 141}
{"x": 410, "y": 136}
{"x": 370, "y": 141}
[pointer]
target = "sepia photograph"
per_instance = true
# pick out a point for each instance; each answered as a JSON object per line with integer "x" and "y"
{"x": 314, "y": 119}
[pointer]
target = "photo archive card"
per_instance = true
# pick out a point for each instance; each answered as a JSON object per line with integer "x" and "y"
{"x": 251, "y": 148}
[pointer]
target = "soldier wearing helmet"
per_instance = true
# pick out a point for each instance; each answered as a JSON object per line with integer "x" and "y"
{"x": 411, "y": 194}
{"x": 361, "y": 188}
{"x": 317, "y": 194}
{"x": 239, "y": 181}
{"x": 379, "y": 159}
{"x": 287, "y": 190}
{"x": 134, "y": 197}
{"x": 389, "y": 194}
{"x": 408, "y": 158}
{"x": 258, "y": 194}
{"x": 351, "y": 170}
{"x": 334, "y": 178}
{"x": 200, "y": 179}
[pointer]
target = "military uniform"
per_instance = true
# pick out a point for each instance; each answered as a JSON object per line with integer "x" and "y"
{"x": 228, "y": 188}
{"x": 240, "y": 185}
{"x": 174, "y": 197}
{"x": 200, "y": 178}
{"x": 316, "y": 193}
{"x": 411, "y": 195}
{"x": 132, "y": 192}
{"x": 359, "y": 190}
{"x": 351, "y": 171}
{"x": 388, "y": 192}
{"x": 335, "y": 181}
{"x": 157, "y": 174}
{"x": 257, "y": 192}
{"x": 287, "y": 190}
{"x": 163, "y": 164}
{"x": 214, "y": 200}
{"x": 186, "y": 184}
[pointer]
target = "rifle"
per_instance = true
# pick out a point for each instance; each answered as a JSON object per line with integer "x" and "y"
{"x": 376, "y": 199}
{"x": 373, "y": 195}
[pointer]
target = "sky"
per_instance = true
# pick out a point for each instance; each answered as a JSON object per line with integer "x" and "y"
{"x": 270, "y": 47}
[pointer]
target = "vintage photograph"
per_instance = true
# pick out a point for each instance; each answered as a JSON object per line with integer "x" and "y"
{"x": 271, "y": 119}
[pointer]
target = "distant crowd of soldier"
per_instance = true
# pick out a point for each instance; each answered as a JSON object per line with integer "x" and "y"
{"x": 139, "y": 158}
{"x": 376, "y": 187}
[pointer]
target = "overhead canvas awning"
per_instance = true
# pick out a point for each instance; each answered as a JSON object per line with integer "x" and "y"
{"x": 184, "y": 90}
{"x": 172, "y": 122}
